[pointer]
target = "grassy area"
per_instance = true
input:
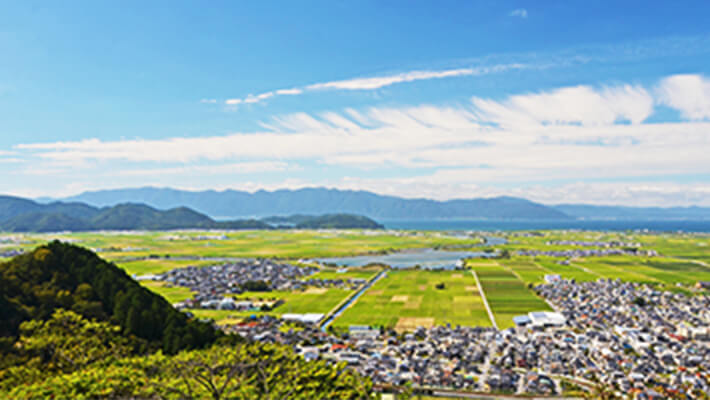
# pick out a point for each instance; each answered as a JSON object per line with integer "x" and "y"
{"x": 507, "y": 295}
{"x": 250, "y": 244}
{"x": 173, "y": 294}
{"x": 309, "y": 301}
{"x": 352, "y": 273}
{"x": 409, "y": 298}
{"x": 404, "y": 297}
{"x": 158, "y": 266}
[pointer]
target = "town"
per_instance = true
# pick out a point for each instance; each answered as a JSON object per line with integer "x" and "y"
{"x": 626, "y": 336}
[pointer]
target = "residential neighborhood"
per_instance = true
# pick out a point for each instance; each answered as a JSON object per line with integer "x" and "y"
{"x": 213, "y": 285}
{"x": 637, "y": 340}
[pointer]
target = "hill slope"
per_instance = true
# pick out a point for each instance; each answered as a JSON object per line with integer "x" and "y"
{"x": 237, "y": 204}
{"x": 60, "y": 275}
{"x": 328, "y": 221}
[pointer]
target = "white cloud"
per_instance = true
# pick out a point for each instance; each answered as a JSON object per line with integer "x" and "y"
{"x": 519, "y": 12}
{"x": 690, "y": 94}
{"x": 566, "y": 134}
{"x": 220, "y": 169}
{"x": 378, "y": 82}
{"x": 291, "y": 92}
{"x": 208, "y": 101}
{"x": 382, "y": 81}
{"x": 571, "y": 105}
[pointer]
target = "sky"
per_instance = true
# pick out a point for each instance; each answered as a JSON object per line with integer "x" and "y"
{"x": 566, "y": 101}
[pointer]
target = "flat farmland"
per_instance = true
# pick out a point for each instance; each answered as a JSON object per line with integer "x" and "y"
{"x": 292, "y": 244}
{"x": 406, "y": 299}
{"x": 351, "y": 273}
{"x": 158, "y": 266}
{"x": 297, "y": 302}
{"x": 507, "y": 295}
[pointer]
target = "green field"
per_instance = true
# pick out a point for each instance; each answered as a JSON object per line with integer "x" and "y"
{"x": 404, "y": 297}
{"x": 251, "y": 244}
{"x": 410, "y": 297}
{"x": 158, "y": 266}
{"x": 173, "y": 294}
{"x": 507, "y": 294}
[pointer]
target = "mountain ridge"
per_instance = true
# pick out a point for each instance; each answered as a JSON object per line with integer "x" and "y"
{"x": 23, "y": 215}
{"x": 239, "y": 204}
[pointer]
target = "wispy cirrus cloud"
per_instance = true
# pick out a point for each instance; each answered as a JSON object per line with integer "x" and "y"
{"x": 519, "y": 12}
{"x": 496, "y": 64}
{"x": 578, "y": 131}
{"x": 377, "y": 82}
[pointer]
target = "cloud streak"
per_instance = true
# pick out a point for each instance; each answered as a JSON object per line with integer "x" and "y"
{"x": 379, "y": 82}
{"x": 566, "y": 134}
{"x": 519, "y": 12}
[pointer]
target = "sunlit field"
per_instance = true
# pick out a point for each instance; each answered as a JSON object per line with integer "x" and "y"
{"x": 407, "y": 298}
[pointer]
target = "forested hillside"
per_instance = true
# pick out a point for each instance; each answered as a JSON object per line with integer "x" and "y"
{"x": 58, "y": 275}
{"x": 328, "y": 221}
{"x": 74, "y": 326}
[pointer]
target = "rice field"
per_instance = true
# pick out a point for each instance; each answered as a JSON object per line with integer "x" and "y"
{"x": 507, "y": 294}
{"x": 406, "y": 299}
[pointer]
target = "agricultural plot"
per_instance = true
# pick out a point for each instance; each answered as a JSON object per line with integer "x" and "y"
{"x": 173, "y": 294}
{"x": 528, "y": 271}
{"x": 567, "y": 271}
{"x": 253, "y": 244}
{"x": 158, "y": 266}
{"x": 318, "y": 301}
{"x": 507, "y": 295}
{"x": 407, "y": 299}
{"x": 352, "y": 273}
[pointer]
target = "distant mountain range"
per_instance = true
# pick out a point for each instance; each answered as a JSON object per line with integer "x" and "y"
{"x": 239, "y": 204}
{"x": 23, "y": 215}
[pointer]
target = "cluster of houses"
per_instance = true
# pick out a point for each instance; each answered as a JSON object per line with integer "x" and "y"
{"x": 581, "y": 243}
{"x": 199, "y": 237}
{"x": 11, "y": 253}
{"x": 635, "y": 338}
{"x": 575, "y": 253}
{"x": 467, "y": 359}
{"x": 213, "y": 285}
{"x": 642, "y": 343}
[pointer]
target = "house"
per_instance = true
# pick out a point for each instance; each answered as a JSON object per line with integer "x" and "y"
{"x": 552, "y": 278}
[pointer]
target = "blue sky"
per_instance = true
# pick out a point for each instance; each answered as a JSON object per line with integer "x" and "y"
{"x": 556, "y": 101}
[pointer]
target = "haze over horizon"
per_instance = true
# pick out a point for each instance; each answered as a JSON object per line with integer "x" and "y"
{"x": 407, "y": 99}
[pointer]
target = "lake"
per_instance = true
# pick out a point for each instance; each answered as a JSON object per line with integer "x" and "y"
{"x": 597, "y": 225}
{"x": 426, "y": 258}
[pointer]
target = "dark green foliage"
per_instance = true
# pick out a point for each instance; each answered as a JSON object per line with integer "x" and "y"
{"x": 640, "y": 301}
{"x": 57, "y": 275}
{"x": 138, "y": 216}
{"x": 328, "y": 221}
{"x": 339, "y": 221}
{"x": 255, "y": 286}
{"x": 440, "y": 286}
{"x": 44, "y": 222}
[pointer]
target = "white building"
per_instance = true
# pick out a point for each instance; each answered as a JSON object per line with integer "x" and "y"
{"x": 546, "y": 319}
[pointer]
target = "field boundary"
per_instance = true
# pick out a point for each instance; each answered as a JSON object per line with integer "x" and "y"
{"x": 485, "y": 301}
{"x": 361, "y": 290}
